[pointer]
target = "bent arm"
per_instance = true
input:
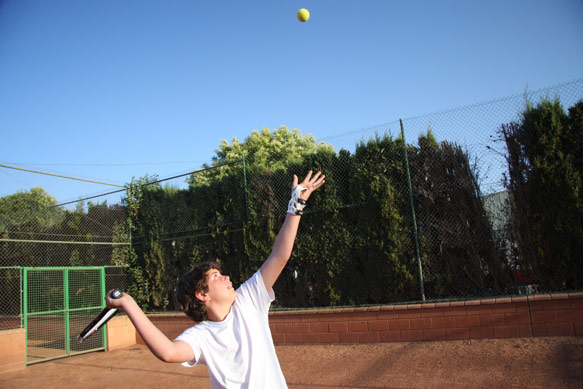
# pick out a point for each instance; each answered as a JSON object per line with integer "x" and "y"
{"x": 162, "y": 347}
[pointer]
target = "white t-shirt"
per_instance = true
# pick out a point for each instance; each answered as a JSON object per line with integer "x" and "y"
{"x": 239, "y": 351}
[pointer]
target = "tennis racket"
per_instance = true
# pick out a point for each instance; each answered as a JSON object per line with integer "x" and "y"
{"x": 101, "y": 319}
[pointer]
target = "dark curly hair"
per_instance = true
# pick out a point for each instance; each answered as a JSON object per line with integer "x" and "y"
{"x": 192, "y": 281}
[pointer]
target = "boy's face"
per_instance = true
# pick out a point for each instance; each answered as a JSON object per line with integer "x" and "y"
{"x": 220, "y": 288}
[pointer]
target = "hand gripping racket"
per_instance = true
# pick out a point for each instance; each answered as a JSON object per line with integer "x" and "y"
{"x": 101, "y": 319}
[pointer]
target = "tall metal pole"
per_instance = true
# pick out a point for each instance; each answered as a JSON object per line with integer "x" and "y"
{"x": 415, "y": 233}
{"x": 245, "y": 189}
{"x": 103, "y": 293}
{"x": 67, "y": 313}
{"x": 25, "y": 311}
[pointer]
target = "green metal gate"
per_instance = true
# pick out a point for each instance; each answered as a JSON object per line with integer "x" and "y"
{"x": 57, "y": 303}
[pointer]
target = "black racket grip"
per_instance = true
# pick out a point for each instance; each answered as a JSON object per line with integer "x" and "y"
{"x": 104, "y": 316}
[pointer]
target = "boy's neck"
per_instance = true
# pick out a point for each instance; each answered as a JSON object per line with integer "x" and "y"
{"x": 217, "y": 313}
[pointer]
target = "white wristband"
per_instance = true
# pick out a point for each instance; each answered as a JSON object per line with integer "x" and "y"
{"x": 296, "y": 204}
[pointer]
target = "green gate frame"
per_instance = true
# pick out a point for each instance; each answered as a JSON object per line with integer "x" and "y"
{"x": 87, "y": 313}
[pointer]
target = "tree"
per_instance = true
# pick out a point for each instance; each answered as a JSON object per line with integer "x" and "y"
{"x": 25, "y": 216}
{"x": 28, "y": 211}
{"x": 545, "y": 163}
{"x": 138, "y": 272}
{"x": 457, "y": 244}
{"x": 311, "y": 277}
{"x": 263, "y": 150}
{"x": 376, "y": 269}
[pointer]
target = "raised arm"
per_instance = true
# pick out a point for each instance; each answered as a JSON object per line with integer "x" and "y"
{"x": 162, "y": 347}
{"x": 282, "y": 249}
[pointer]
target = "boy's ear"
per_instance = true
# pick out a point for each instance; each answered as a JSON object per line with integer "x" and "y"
{"x": 201, "y": 296}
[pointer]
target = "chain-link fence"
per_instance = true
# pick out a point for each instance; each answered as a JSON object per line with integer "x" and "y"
{"x": 428, "y": 221}
{"x": 412, "y": 210}
{"x": 36, "y": 234}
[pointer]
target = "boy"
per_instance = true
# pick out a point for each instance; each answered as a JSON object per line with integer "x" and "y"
{"x": 232, "y": 336}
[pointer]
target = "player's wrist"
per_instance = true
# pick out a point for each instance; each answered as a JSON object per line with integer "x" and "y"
{"x": 127, "y": 300}
{"x": 120, "y": 303}
{"x": 297, "y": 204}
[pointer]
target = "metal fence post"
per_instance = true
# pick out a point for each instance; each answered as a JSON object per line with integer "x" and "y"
{"x": 102, "y": 296}
{"x": 245, "y": 189}
{"x": 415, "y": 233}
{"x": 67, "y": 315}
{"x": 22, "y": 293}
{"x": 25, "y": 311}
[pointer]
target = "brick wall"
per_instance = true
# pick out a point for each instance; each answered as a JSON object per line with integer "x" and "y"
{"x": 508, "y": 317}
{"x": 171, "y": 324}
{"x": 121, "y": 333}
{"x": 12, "y": 350}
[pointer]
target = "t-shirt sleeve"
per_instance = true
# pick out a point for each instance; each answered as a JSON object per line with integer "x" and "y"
{"x": 254, "y": 293}
{"x": 191, "y": 336}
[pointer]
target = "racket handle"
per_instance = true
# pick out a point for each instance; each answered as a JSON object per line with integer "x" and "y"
{"x": 102, "y": 318}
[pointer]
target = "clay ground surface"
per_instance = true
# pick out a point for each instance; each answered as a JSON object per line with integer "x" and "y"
{"x": 552, "y": 362}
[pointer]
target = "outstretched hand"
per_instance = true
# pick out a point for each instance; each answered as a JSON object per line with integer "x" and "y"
{"x": 282, "y": 248}
{"x": 310, "y": 183}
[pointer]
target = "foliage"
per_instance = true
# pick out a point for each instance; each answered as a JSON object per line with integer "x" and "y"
{"x": 458, "y": 250}
{"x": 26, "y": 211}
{"x": 22, "y": 216}
{"x": 376, "y": 269}
{"x": 40, "y": 233}
{"x": 138, "y": 273}
{"x": 356, "y": 241}
{"x": 545, "y": 160}
{"x": 265, "y": 150}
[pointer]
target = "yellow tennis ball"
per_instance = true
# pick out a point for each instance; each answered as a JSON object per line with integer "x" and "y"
{"x": 303, "y": 15}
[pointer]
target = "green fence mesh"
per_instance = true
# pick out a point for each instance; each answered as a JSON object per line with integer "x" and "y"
{"x": 59, "y": 303}
{"x": 44, "y": 315}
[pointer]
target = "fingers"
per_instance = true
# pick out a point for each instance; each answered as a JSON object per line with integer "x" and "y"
{"x": 312, "y": 180}
{"x": 315, "y": 181}
{"x": 318, "y": 179}
{"x": 319, "y": 182}
{"x": 310, "y": 183}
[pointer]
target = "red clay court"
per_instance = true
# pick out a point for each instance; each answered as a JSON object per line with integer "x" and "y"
{"x": 546, "y": 362}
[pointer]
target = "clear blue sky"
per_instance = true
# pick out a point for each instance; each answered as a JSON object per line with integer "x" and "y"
{"x": 109, "y": 90}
